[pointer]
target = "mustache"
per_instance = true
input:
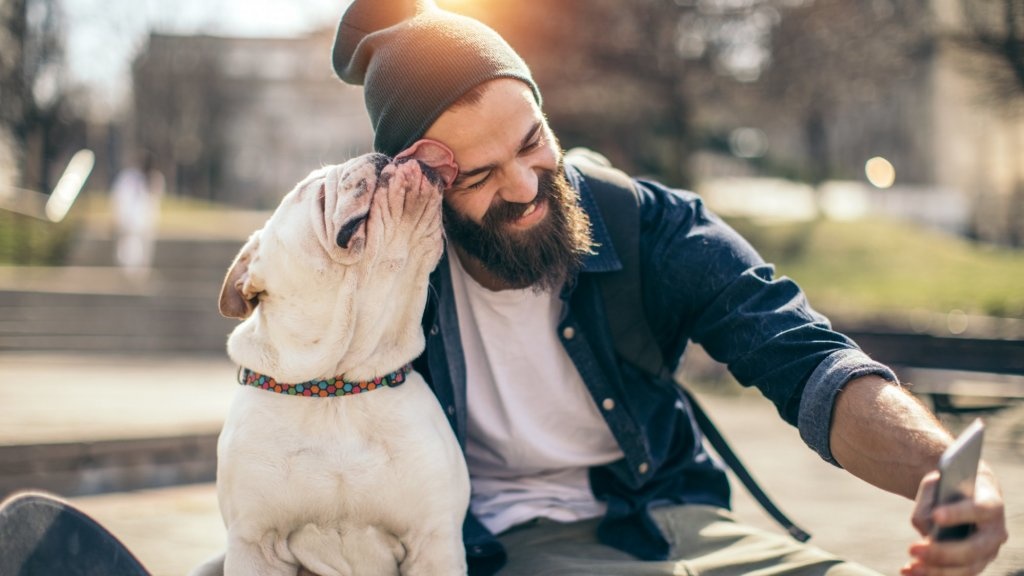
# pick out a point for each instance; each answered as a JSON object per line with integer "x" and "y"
{"x": 503, "y": 211}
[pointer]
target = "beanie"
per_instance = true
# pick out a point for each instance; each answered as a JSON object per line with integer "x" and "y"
{"x": 414, "y": 61}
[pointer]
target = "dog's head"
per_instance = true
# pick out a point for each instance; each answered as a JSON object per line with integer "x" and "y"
{"x": 342, "y": 264}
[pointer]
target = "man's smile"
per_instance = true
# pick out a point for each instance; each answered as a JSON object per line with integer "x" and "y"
{"x": 534, "y": 213}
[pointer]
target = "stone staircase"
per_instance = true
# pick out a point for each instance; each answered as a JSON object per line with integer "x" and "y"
{"x": 93, "y": 306}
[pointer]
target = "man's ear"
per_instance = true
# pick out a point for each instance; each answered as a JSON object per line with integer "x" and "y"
{"x": 239, "y": 294}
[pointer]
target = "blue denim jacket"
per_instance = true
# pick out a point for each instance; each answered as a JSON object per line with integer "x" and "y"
{"x": 703, "y": 283}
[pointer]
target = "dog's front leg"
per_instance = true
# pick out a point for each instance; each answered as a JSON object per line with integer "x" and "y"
{"x": 268, "y": 557}
{"x": 439, "y": 553}
{"x": 212, "y": 567}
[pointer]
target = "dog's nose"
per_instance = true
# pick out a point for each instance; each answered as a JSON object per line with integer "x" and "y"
{"x": 379, "y": 161}
{"x": 349, "y": 229}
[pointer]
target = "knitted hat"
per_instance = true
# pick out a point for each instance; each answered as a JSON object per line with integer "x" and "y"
{"x": 415, "y": 60}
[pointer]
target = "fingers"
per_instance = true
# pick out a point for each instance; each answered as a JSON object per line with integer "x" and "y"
{"x": 921, "y": 518}
{"x": 967, "y": 512}
{"x": 960, "y": 557}
{"x": 932, "y": 562}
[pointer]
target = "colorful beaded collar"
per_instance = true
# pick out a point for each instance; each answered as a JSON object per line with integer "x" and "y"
{"x": 322, "y": 388}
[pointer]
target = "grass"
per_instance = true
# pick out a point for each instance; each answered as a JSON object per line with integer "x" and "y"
{"x": 26, "y": 241}
{"x": 878, "y": 267}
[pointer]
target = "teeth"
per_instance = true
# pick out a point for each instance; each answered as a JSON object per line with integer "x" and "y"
{"x": 529, "y": 210}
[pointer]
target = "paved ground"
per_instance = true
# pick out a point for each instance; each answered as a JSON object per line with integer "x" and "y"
{"x": 48, "y": 398}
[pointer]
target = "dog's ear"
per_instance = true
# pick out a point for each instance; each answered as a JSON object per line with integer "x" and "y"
{"x": 435, "y": 155}
{"x": 239, "y": 295}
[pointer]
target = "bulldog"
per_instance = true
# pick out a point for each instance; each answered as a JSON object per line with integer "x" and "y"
{"x": 335, "y": 456}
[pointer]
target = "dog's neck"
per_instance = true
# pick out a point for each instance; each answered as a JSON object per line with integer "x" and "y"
{"x": 364, "y": 335}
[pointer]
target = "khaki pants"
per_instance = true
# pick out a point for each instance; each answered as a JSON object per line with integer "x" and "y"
{"x": 705, "y": 540}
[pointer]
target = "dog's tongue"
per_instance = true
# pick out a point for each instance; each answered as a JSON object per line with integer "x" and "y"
{"x": 433, "y": 154}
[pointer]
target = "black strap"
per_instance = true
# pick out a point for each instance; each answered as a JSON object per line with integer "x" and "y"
{"x": 631, "y": 332}
{"x": 634, "y": 340}
{"x": 723, "y": 449}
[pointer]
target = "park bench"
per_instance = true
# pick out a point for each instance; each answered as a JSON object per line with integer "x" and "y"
{"x": 957, "y": 374}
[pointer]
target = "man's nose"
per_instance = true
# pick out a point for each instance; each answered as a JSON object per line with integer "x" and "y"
{"x": 521, "y": 185}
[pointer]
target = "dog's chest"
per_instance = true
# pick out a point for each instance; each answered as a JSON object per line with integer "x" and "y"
{"x": 357, "y": 446}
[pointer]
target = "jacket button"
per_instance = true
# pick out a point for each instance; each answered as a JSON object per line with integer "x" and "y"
{"x": 643, "y": 468}
{"x": 451, "y": 410}
{"x": 608, "y": 404}
{"x": 568, "y": 332}
{"x": 434, "y": 330}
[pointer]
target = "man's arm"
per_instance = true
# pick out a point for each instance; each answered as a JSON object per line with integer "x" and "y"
{"x": 883, "y": 435}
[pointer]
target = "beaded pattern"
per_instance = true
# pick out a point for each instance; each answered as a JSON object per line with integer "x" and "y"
{"x": 323, "y": 388}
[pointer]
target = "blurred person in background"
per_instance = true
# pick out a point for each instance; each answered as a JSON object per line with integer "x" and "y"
{"x": 136, "y": 195}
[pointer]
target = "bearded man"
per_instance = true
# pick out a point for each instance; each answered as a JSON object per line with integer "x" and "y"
{"x": 579, "y": 462}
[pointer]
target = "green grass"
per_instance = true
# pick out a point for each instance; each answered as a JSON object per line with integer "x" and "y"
{"x": 876, "y": 267}
{"x": 27, "y": 241}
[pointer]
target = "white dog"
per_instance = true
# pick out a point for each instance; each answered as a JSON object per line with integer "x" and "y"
{"x": 369, "y": 480}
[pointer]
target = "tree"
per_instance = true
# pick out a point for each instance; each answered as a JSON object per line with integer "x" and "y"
{"x": 14, "y": 96}
{"x": 625, "y": 77}
{"x": 832, "y": 55}
{"x": 34, "y": 95}
{"x": 180, "y": 105}
{"x": 995, "y": 34}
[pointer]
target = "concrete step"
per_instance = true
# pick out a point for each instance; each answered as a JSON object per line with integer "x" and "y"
{"x": 100, "y": 466}
{"x": 181, "y": 253}
{"x": 98, "y": 309}
{"x": 91, "y": 305}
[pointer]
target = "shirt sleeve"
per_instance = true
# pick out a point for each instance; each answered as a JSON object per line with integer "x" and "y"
{"x": 707, "y": 284}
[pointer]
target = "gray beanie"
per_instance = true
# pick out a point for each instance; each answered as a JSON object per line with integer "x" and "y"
{"x": 415, "y": 60}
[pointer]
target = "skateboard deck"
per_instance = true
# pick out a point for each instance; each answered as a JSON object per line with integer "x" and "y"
{"x": 42, "y": 535}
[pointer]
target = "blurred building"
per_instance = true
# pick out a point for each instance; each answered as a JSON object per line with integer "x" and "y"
{"x": 241, "y": 120}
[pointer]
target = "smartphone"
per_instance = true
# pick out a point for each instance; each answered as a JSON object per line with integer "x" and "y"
{"x": 958, "y": 469}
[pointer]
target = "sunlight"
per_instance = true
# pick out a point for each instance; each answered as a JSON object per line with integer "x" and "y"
{"x": 880, "y": 172}
{"x": 462, "y": 6}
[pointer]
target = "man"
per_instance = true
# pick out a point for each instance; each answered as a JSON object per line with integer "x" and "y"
{"x": 580, "y": 463}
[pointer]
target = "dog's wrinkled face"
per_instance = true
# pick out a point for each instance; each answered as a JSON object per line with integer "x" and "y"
{"x": 352, "y": 224}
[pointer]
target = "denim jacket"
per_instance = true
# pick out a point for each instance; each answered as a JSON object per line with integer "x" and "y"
{"x": 701, "y": 282}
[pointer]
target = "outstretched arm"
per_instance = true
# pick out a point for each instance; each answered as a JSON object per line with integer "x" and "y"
{"x": 883, "y": 435}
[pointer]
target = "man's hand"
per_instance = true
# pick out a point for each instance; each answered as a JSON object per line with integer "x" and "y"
{"x": 957, "y": 557}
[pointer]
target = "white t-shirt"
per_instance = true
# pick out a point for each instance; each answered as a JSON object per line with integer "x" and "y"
{"x": 533, "y": 428}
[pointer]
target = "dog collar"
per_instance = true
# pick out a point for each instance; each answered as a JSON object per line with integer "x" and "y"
{"x": 336, "y": 386}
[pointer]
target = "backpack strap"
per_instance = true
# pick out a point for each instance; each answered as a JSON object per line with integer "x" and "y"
{"x": 619, "y": 202}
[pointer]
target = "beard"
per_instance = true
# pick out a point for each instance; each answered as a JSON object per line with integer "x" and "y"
{"x": 542, "y": 257}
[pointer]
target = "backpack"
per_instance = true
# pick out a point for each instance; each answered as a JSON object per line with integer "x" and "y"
{"x": 634, "y": 340}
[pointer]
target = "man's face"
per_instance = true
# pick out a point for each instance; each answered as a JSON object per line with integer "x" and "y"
{"x": 511, "y": 208}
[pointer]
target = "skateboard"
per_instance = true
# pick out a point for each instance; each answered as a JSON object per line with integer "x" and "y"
{"x": 43, "y": 535}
